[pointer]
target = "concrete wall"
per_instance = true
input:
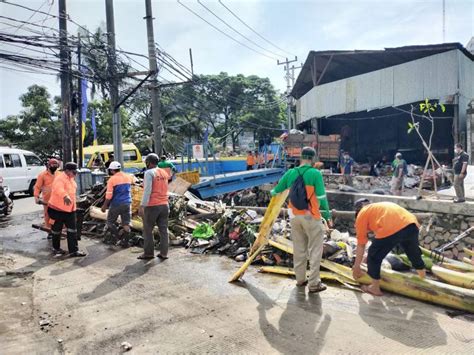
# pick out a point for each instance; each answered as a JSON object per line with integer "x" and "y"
{"x": 432, "y": 77}
{"x": 448, "y": 222}
{"x": 465, "y": 94}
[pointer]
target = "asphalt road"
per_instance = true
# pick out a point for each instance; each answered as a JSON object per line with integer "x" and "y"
{"x": 24, "y": 204}
{"x": 185, "y": 304}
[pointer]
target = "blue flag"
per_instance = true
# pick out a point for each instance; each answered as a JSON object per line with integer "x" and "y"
{"x": 85, "y": 103}
{"x": 94, "y": 127}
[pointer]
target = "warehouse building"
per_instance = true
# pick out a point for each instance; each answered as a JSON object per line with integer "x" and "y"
{"x": 366, "y": 97}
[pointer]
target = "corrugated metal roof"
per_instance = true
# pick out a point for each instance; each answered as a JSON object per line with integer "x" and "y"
{"x": 433, "y": 77}
{"x": 337, "y": 65}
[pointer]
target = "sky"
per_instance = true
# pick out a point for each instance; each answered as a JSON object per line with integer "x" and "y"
{"x": 296, "y": 26}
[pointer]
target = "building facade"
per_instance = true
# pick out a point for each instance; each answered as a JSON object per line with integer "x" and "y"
{"x": 367, "y": 97}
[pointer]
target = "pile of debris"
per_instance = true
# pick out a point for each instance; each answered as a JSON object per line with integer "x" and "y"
{"x": 212, "y": 227}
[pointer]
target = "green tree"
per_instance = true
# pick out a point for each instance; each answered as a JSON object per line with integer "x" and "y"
{"x": 239, "y": 103}
{"x": 36, "y": 127}
{"x": 228, "y": 105}
{"x": 94, "y": 58}
{"x": 103, "y": 119}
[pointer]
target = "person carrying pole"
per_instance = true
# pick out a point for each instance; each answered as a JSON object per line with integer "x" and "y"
{"x": 62, "y": 208}
{"x": 392, "y": 225}
{"x": 307, "y": 198}
{"x": 42, "y": 189}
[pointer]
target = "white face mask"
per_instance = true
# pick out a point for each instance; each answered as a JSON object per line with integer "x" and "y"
{"x": 457, "y": 151}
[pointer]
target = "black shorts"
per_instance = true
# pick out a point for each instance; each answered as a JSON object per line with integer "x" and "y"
{"x": 407, "y": 238}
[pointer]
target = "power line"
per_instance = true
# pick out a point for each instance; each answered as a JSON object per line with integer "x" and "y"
{"x": 33, "y": 14}
{"x": 225, "y": 34}
{"x": 236, "y": 31}
{"x": 251, "y": 29}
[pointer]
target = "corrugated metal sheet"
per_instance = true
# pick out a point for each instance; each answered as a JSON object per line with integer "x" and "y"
{"x": 430, "y": 77}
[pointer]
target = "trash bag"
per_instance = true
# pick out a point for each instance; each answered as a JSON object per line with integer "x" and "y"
{"x": 396, "y": 262}
{"x": 203, "y": 231}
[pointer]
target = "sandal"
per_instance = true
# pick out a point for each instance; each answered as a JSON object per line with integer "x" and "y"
{"x": 162, "y": 257}
{"x": 302, "y": 284}
{"x": 77, "y": 254}
{"x": 318, "y": 288}
{"x": 145, "y": 257}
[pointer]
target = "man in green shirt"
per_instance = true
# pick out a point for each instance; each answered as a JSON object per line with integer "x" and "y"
{"x": 399, "y": 168}
{"x": 168, "y": 166}
{"x": 307, "y": 230}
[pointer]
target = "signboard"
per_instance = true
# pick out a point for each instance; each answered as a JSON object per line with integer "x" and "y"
{"x": 198, "y": 151}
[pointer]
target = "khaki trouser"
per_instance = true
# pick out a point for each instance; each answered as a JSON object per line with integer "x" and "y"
{"x": 307, "y": 234}
{"x": 396, "y": 187}
{"x": 155, "y": 215}
{"x": 459, "y": 187}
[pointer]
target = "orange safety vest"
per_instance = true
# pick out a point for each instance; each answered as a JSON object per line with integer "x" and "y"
{"x": 250, "y": 160}
{"x": 159, "y": 190}
{"x": 44, "y": 181}
{"x": 63, "y": 186}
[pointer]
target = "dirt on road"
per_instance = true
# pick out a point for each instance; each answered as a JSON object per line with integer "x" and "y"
{"x": 92, "y": 305}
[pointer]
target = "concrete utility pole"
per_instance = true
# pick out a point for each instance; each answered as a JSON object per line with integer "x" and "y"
{"x": 65, "y": 88}
{"x": 288, "y": 87}
{"x": 80, "y": 103}
{"x": 154, "y": 90}
{"x": 112, "y": 69}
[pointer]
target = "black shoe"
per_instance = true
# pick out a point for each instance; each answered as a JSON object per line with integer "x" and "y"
{"x": 49, "y": 237}
{"x": 59, "y": 251}
{"x": 459, "y": 200}
{"x": 77, "y": 254}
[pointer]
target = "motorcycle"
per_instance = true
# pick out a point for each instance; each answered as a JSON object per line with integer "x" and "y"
{"x": 6, "y": 203}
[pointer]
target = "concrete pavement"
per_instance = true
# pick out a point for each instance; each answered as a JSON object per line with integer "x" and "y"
{"x": 185, "y": 305}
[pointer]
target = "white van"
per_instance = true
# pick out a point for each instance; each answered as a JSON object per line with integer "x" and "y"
{"x": 19, "y": 169}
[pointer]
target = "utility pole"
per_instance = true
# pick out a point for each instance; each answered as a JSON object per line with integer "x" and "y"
{"x": 293, "y": 68}
{"x": 112, "y": 72}
{"x": 154, "y": 89}
{"x": 65, "y": 88}
{"x": 286, "y": 68}
{"x": 79, "y": 102}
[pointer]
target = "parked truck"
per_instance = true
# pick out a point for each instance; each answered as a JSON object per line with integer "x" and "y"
{"x": 327, "y": 147}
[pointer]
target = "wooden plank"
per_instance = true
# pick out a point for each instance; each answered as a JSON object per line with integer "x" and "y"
{"x": 271, "y": 215}
{"x": 179, "y": 186}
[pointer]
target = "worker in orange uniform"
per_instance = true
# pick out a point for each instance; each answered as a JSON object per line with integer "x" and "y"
{"x": 250, "y": 160}
{"x": 119, "y": 197}
{"x": 392, "y": 225}
{"x": 42, "y": 190}
{"x": 62, "y": 208}
{"x": 154, "y": 208}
